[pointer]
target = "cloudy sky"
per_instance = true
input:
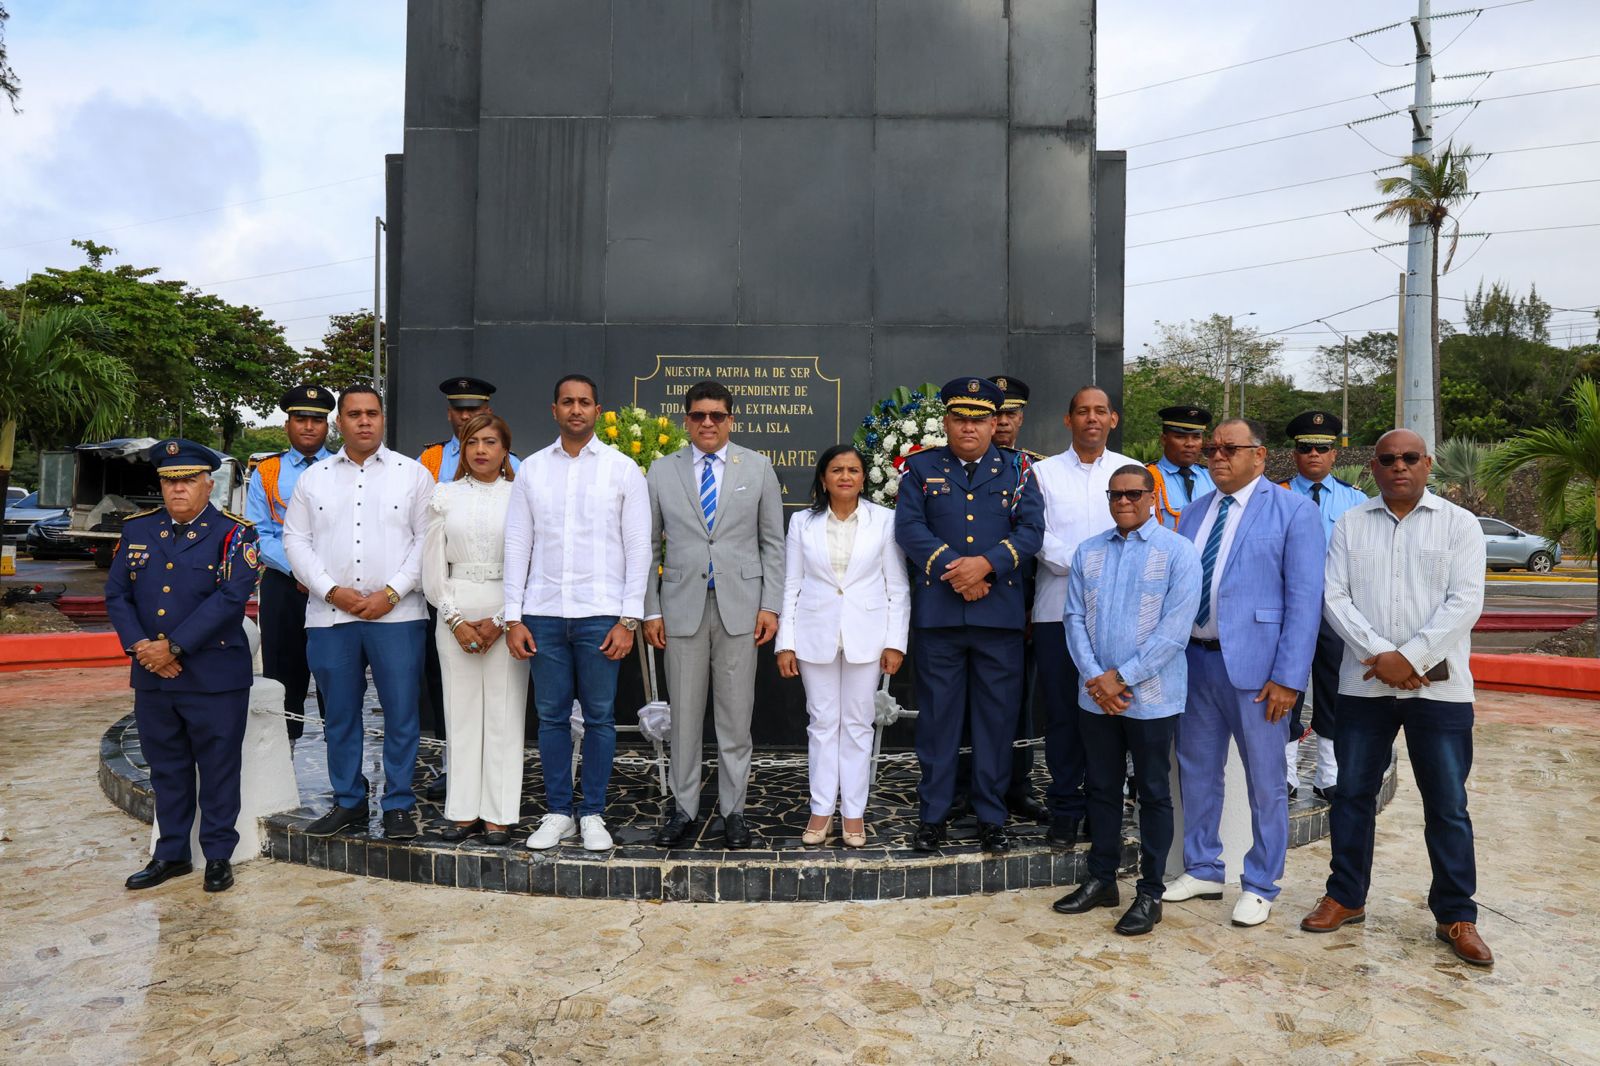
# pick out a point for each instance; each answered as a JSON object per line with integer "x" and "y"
{"x": 239, "y": 147}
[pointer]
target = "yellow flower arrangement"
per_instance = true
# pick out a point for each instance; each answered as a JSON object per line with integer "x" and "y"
{"x": 637, "y": 447}
{"x": 630, "y": 425}
{"x": 611, "y": 431}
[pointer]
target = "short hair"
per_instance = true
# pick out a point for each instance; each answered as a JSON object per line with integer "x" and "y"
{"x": 477, "y": 424}
{"x": 708, "y": 390}
{"x": 1257, "y": 430}
{"x": 1073, "y": 403}
{"x": 594, "y": 390}
{"x": 360, "y": 388}
{"x": 1135, "y": 470}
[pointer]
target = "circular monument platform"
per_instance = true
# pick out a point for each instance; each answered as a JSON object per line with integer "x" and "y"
{"x": 777, "y": 866}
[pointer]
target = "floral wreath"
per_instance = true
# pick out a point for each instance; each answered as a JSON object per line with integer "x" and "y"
{"x": 639, "y": 435}
{"x": 905, "y": 423}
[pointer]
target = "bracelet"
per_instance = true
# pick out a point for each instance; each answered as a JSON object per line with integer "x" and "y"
{"x": 499, "y": 621}
{"x": 453, "y": 625}
{"x": 329, "y": 597}
{"x": 393, "y": 596}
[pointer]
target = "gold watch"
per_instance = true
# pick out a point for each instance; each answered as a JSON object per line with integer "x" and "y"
{"x": 394, "y": 597}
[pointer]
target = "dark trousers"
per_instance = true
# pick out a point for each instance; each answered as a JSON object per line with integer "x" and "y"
{"x": 958, "y": 667}
{"x": 1021, "y": 758}
{"x": 1439, "y": 741}
{"x": 1056, "y": 696}
{"x": 179, "y": 733}
{"x": 431, "y": 706}
{"x": 1107, "y": 740}
{"x": 283, "y": 644}
{"x": 1324, "y": 686}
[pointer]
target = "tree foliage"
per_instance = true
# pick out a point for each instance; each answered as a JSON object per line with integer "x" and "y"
{"x": 345, "y": 356}
{"x": 10, "y": 84}
{"x": 1213, "y": 350}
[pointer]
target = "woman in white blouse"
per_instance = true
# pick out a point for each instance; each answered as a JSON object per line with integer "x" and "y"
{"x": 846, "y": 609}
{"x": 485, "y": 689}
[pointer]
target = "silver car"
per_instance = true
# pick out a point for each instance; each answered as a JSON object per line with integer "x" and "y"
{"x": 1510, "y": 548}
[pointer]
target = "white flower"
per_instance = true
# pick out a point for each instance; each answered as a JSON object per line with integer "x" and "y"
{"x": 890, "y": 442}
{"x": 891, "y": 490}
{"x": 637, "y": 432}
{"x": 905, "y": 449}
{"x": 931, "y": 425}
{"x": 908, "y": 427}
{"x": 876, "y": 477}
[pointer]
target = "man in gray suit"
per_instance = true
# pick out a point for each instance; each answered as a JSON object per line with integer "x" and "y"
{"x": 714, "y": 600}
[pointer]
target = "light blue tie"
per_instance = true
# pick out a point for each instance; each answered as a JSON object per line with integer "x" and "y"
{"x": 1208, "y": 560}
{"x": 708, "y": 506}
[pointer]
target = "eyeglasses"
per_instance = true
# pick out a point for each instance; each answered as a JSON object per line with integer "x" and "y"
{"x": 1227, "y": 451}
{"x": 1307, "y": 449}
{"x": 1131, "y": 495}
{"x": 1390, "y": 458}
{"x": 716, "y": 417}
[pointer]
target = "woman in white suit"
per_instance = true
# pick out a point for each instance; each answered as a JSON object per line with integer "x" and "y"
{"x": 846, "y": 610}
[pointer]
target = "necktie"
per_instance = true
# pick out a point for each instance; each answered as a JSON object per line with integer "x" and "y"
{"x": 972, "y": 469}
{"x": 180, "y": 528}
{"x": 1187, "y": 473}
{"x": 708, "y": 506}
{"x": 1316, "y": 493}
{"x": 1208, "y": 560}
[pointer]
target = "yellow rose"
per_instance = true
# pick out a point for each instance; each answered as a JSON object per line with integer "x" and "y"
{"x": 611, "y": 431}
{"x": 662, "y": 439}
{"x": 637, "y": 447}
{"x": 662, "y": 421}
{"x": 611, "y": 419}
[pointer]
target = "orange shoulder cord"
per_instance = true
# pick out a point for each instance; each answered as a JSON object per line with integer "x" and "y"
{"x": 1163, "y": 501}
{"x": 269, "y": 469}
{"x": 432, "y": 458}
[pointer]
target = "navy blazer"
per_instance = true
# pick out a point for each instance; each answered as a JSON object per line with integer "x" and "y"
{"x": 1269, "y": 600}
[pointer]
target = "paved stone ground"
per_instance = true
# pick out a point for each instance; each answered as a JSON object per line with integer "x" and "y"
{"x": 302, "y": 966}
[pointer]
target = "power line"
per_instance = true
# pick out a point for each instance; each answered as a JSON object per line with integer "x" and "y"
{"x": 291, "y": 270}
{"x": 324, "y": 296}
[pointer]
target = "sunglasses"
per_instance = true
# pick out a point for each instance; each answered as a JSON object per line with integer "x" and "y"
{"x": 715, "y": 417}
{"x": 1390, "y": 458}
{"x": 1307, "y": 449}
{"x": 1227, "y": 451}
{"x": 1131, "y": 495}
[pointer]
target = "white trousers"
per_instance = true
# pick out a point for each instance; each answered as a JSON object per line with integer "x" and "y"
{"x": 485, "y": 696}
{"x": 839, "y": 701}
{"x": 1327, "y": 772}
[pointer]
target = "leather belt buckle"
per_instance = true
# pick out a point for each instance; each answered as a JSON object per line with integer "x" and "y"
{"x": 1207, "y": 643}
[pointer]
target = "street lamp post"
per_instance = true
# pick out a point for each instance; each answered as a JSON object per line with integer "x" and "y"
{"x": 1227, "y": 370}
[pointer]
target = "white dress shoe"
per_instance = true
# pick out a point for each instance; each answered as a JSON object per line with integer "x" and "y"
{"x": 553, "y": 829}
{"x": 1187, "y": 887}
{"x": 595, "y": 837}
{"x": 1251, "y": 910}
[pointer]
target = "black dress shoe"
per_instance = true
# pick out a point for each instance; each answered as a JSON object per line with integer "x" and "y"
{"x": 1294, "y": 793}
{"x": 928, "y": 837}
{"x": 497, "y": 838}
{"x": 1323, "y": 794}
{"x": 1065, "y": 831}
{"x": 1027, "y": 808}
{"x": 735, "y": 832}
{"x": 436, "y": 790}
{"x": 679, "y": 830}
{"x": 400, "y": 824}
{"x": 336, "y": 819}
{"x": 157, "y": 871}
{"x": 454, "y": 834}
{"x": 1143, "y": 916}
{"x": 992, "y": 838}
{"x": 219, "y": 875}
{"x": 1087, "y": 896}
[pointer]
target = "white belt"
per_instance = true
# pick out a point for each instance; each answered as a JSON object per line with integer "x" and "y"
{"x": 477, "y": 571}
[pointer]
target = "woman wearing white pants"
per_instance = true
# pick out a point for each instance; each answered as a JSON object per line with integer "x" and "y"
{"x": 846, "y": 610}
{"x": 485, "y": 689}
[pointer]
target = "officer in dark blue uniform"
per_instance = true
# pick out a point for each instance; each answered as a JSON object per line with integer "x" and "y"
{"x": 176, "y": 594}
{"x": 967, "y": 518}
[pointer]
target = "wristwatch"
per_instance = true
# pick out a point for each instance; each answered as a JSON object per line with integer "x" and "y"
{"x": 1120, "y": 679}
{"x": 630, "y": 624}
{"x": 172, "y": 646}
{"x": 329, "y": 597}
{"x": 394, "y": 597}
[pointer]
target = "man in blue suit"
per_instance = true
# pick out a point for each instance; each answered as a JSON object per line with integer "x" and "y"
{"x": 1261, "y": 565}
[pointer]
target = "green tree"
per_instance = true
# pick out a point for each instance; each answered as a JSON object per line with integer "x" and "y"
{"x": 10, "y": 84}
{"x": 1503, "y": 374}
{"x": 1568, "y": 459}
{"x": 1212, "y": 349}
{"x": 1425, "y": 197}
{"x": 1458, "y": 465}
{"x": 254, "y": 439}
{"x": 51, "y": 367}
{"x": 240, "y": 359}
{"x": 1149, "y": 385}
{"x": 1372, "y": 374}
{"x": 345, "y": 357}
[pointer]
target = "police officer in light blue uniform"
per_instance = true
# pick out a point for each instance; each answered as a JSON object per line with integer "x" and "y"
{"x": 1180, "y": 479}
{"x": 176, "y": 595}
{"x": 1316, "y": 441}
{"x": 968, "y": 518}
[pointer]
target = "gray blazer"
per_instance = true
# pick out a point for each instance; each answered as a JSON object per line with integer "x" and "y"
{"x": 745, "y": 544}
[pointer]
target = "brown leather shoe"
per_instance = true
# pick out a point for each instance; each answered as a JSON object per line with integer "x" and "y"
{"x": 1464, "y": 940}
{"x": 1329, "y": 914}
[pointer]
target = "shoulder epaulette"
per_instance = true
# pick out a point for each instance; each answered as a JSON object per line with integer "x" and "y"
{"x": 237, "y": 518}
{"x": 142, "y": 514}
{"x": 1343, "y": 482}
{"x": 1035, "y": 456}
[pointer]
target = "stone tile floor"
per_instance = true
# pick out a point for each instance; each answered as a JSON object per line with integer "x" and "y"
{"x": 302, "y": 966}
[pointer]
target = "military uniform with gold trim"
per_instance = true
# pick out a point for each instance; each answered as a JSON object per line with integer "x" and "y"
{"x": 187, "y": 584}
{"x": 968, "y": 655}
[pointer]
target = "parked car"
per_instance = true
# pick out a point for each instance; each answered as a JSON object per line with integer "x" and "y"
{"x": 1510, "y": 548}
{"x": 14, "y": 495}
{"x": 49, "y": 538}
{"x": 23, "y": 511}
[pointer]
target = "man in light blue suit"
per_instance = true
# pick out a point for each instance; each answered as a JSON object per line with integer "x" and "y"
{"x": 1261, "y": 564}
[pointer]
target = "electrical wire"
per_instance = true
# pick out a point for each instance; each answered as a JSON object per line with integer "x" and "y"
{"x": 291, "y": 270}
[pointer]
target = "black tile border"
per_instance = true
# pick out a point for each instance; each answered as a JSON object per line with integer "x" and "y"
{"x": 643, "y": 872}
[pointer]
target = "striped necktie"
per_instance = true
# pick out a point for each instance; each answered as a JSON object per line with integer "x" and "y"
{"x": 1208, "y": 560}
{"x": 708, "y": 506}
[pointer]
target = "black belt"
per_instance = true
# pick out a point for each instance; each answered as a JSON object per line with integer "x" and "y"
{"x": 1207, "y": 643}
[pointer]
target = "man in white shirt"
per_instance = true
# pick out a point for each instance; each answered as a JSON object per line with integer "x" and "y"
{"x": 1404, "y": 587}
{"x": 576, "y": 556}
{"x": 1074, "y": 487}
{"x": 354, "y": 534}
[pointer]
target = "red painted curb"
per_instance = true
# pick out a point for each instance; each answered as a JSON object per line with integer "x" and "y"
{"x": 1539, "y": 675}
{"x": 1529, "y": 621}
{"x": 93, "y": 608}
{"x": 60, "y": 651}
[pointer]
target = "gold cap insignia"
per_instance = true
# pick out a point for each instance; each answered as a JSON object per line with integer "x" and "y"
{"x": 1004, "y": 385}
{"x": 311, "y": 394}
{"x": 172, "y": 447}
{"x": 972, "y": 386}
{"x": 1316, "y": 419}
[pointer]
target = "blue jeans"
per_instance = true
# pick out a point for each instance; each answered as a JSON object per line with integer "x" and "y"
{"x": 568, "y": 665}
{"x": 1439, "y": 740}
{"x": 335, "y": 654}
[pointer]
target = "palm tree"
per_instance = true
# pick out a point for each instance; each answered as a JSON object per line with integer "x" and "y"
{"x": 1459, "y": 464}
{"x": 51, "y": 372}
{"x": 1569, "y": 460}
{"x": 1424, "y": 197}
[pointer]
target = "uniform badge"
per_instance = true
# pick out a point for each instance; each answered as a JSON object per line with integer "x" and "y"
{"x": 172, "y": 447}
{"x": 972, "y": 386}
{"x": 1004, "y": 385}
{"x": 193, "y": 534}
{"x": 311, "y": 394}
{"x": 1316, "y": 419}
{"x": 461, "y": 384}
{"x": 252, "y": 556}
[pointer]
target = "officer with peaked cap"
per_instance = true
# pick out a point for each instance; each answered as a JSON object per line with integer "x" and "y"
{"x": 967, "y": 517}
{"x": 1180, "y": 479}
{"x": 176, "y": 595}
{"x": 1316, "y": 448}
{"x": 282, "y": 615}
{"x": 1013, "y": 408}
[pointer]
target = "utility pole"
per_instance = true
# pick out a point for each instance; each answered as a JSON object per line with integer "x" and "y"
{"x": 1420, "y": 415}
{"x": 1344, "y": 411}
{"x": 377, "y": 302}
{"x": 1227, "y": 368}
{"x": 1400, "y": 360}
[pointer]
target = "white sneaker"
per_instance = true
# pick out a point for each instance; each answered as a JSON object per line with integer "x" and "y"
{"x": 1187, "y": 887}
{"x": 595, "y": 837}
{"x": 553, "y": 829}
{"x": 1251, "y": 910}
